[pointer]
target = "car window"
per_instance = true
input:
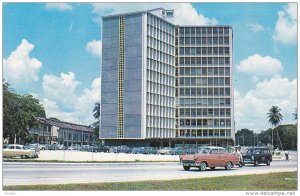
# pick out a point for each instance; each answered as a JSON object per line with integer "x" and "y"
{"x": 222, "y": 151}
{"x": 257, "y": 152}
{"x": 214, "y": 151}
{"x": 266, "y": 152}
{"x": 204, "y": 150}
{"x": 11, "y": 147}
{"x": 18, "y": 147}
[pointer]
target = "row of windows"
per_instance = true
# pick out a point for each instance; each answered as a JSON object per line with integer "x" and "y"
{"x": 159, "y": 67}
{"x": 204, "y": 61}
{"x": 205, "y": 122}
{"x": 204, "y": 81}
{"x": 203, "y": 41}
{"x": 204, "y": 102}
{"x": 203, "y": 71}
{"x": 158, "y": 23}
{"x": 204, "y": 92}
{"x": 153, "y": 132}
{"x": 204, "y": 112}
{"x": 204, "y": 51}
{"x": 161, "y": 36}
{"x": 203, "y": 133}
{"x": 161, "y": 46}
{"x": 160, "y": 100}
{"x": 203, "y": 31}
{"x": 160, "y": 122}
{"x": 75, "y": 136}
{"x": 160, "y": 56}
{"x": 160, "y": 78}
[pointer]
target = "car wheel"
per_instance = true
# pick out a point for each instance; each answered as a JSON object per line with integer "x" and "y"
{"x": 268, "y": 162}
{"x": 228, "y": 166}
{"x": 186, "y": 168}
{"x": 255, "y": 162}
{"x": 22, "y": 157}
{"x": 212, "y": 168}
{"x": 202, "y": 166}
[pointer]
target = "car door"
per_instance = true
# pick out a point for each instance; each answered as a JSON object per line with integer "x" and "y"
{"x": 223, "y": 157}
{"x": 214, "y": 160}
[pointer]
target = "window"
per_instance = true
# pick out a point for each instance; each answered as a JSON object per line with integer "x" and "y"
{"x": 214, "y": 151}
{"x": 222, "y": 151}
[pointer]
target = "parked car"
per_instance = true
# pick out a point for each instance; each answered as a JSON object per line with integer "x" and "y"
{"x": 43, "y": 146}
{"x": 181, "y": 150}
{"x": 257, "y": 155}
{"x": 123, "y": 148}
{"x": 136, "y": 150}
{"x": 152, "y": 150}
{"x": 16, "y": 150}
{"x": 209, "y": 157}
{"x": 32, "y": 147}
{"x": 165, "y": 150}
{"x": 100, "y": 148}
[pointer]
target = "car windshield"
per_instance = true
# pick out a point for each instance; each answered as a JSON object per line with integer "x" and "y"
{"x": 203, "y": 151}
{"x": 252, "y": 151}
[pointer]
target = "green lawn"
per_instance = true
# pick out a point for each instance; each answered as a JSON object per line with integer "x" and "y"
{"x": 284, "y": 181}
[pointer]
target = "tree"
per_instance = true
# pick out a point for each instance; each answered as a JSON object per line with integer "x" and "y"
{"x": 246, "y": 137}
{"x": 96, "y": 114}
{"x": 295, "y": 114}
{"x": 96, "y": 110}
{"x": 19, "y": 113}
{"x": 288, "y": 133}
{"x": 274, "y": 117}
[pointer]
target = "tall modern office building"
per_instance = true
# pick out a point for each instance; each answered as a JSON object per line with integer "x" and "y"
{"x": 164, "y": 84}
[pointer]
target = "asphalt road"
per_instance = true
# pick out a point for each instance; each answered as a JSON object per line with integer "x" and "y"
{"x": 64, "y": 173}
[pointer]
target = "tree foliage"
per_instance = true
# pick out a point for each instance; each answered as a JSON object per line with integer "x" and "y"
{"x": 19, "y": 113}
{"x": 274, "y": 116}
{"x": 287, "y": 135}
{"x": 96, "y": 114}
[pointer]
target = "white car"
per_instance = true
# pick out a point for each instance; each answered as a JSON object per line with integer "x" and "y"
{"x": 16, "y": 150}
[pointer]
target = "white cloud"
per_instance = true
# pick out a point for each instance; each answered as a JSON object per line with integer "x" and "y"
{"x": 255, "y": 27}
{"x": 94, "y": 47}
{"x": 19, "y": 69}
{"x": 58, "y": 6}
{"x": 61, "y": 89}
{"x": 62, "y": 101}
{"x": 251, "y": 109}
{"x": 286, "y": 25}
{"x": 260, "y": 66}
{"x": 185, "y": 13}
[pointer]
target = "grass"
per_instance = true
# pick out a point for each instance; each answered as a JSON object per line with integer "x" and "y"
{"x": 284, "y": 181}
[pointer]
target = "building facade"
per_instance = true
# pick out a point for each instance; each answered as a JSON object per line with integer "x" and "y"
{"x": 156, "y": 76}
{"x": 52, "y": 131}
{"x": 204, "y": 84}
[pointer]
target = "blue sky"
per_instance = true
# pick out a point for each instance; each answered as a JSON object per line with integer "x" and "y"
{"x": 53, "y": 51}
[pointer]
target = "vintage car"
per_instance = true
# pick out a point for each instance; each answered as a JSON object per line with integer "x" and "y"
{"x": 16, "y": 150}
{"x": 257, "y": 155}
{"x": 165, "y": 151}
{"x": 209, "y": 157}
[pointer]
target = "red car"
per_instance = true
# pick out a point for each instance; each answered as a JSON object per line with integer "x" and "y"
{"x": 209, "y": 157}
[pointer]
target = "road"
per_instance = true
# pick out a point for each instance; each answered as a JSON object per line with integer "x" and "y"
{"x": 15, "y": 173}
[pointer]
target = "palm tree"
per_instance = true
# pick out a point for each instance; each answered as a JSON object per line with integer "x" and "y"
{"x": 295, "y": 114}
{"x": 96, "y": 113}
{"x": 96, "y": 110}
{"x": 274, "y": 117}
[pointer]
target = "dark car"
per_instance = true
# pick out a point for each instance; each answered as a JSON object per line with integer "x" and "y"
{"x": 100, "y": 148}
{"x": 257, "y": 155}
{"x": 181, "y": 150}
